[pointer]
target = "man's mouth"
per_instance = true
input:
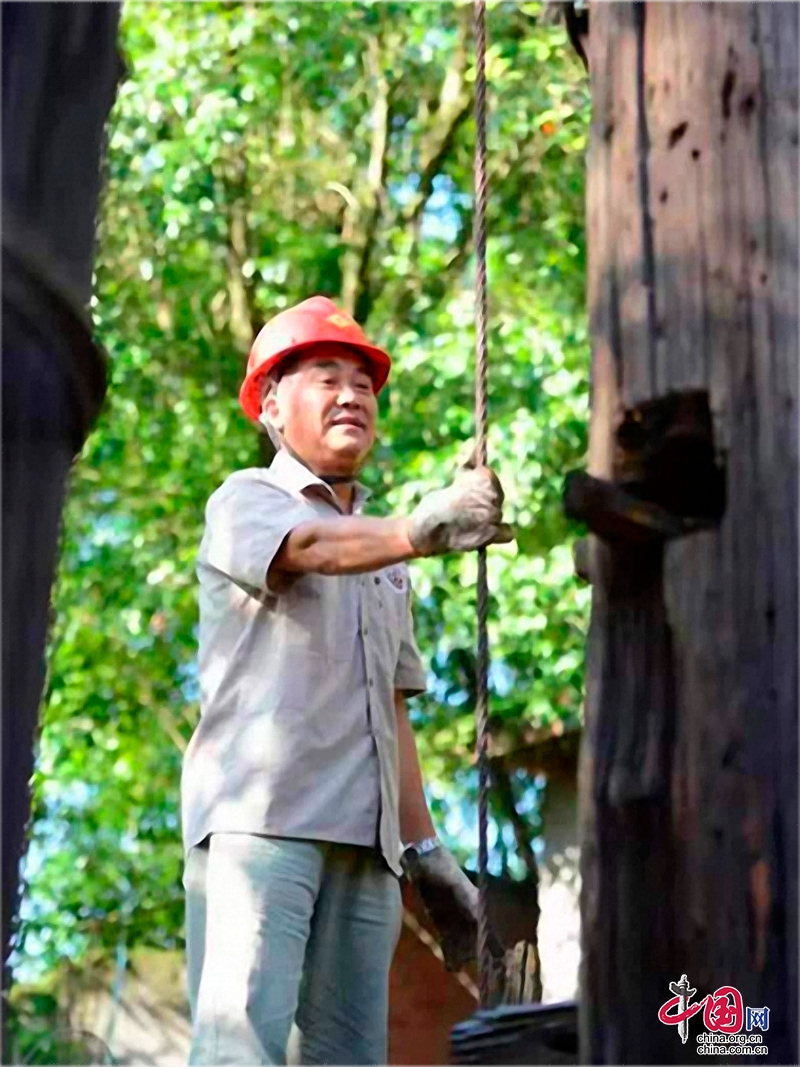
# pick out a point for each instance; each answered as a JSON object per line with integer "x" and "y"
{"x": 349, "y": 420}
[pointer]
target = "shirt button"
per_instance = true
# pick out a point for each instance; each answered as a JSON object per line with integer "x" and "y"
{"x": 371, "y": 683}
{"x": 366, "y": 631}
{"x": 376, "y": 580}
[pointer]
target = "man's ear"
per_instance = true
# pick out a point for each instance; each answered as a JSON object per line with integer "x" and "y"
{"x": 272, "y": 408}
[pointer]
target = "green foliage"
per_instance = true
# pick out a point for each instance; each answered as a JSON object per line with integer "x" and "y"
{"x": 260, "y": 153}
{"x": 38, "y": 1028}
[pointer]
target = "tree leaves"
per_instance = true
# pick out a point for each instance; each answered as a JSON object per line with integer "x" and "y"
{"x": 239, "y": 182}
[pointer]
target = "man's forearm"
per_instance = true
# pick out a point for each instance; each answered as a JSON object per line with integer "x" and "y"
{"x": 347, "y": 545}
{"x": 415, "y": 818}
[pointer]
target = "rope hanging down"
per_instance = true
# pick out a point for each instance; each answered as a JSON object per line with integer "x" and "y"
{"x": 485, "y": 960}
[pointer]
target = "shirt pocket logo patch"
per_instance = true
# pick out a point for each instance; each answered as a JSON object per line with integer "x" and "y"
{"x": 397, "y": 577}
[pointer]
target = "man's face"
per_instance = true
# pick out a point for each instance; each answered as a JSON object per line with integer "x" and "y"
{"x": 325, "y": 408}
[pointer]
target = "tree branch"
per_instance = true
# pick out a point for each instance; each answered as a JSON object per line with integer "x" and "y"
{"x": 522, "y": 834}
{"x": 240, "y": 305}
{"x": 454, "y": 105}
{"x": 575, "y": 17}
{"x": 232, "y": 175}
{"x": 168, "y": 726}
{"x": 410, "y": 287}
{"x": 363, "y": 211}
{"x": 523, "y": 965}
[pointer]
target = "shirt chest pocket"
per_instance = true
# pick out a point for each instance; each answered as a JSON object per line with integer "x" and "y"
{"x": 319, "y": 614}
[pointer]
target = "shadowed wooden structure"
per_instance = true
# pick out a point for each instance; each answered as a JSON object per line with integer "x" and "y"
{"x": 689, "y": 763}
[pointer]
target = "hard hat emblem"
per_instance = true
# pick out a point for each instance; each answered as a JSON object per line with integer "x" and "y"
{"x": 342, "y": 321}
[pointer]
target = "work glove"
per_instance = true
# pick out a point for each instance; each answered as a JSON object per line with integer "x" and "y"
{"x": 451, "y": 901}
{"x": 468, "y": 514}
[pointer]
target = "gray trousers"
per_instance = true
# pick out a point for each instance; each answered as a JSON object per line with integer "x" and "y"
{"x": 289, "y": 945}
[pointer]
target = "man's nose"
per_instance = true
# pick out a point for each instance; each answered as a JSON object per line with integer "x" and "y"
{"x": 348, "y": 396}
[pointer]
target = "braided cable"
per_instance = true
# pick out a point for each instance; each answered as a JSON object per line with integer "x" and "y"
{"x": 485, "y": 959}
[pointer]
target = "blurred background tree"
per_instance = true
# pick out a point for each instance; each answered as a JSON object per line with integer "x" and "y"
{"x": 260, "y": 153}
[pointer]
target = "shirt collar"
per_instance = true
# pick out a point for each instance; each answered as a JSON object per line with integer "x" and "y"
{"x": 291, "y": 474}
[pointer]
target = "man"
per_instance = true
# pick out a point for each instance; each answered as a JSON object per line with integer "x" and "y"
{"x": 302, "y": 778}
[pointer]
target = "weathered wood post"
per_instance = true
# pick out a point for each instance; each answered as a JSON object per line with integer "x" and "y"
{"x": 690, "y": 763}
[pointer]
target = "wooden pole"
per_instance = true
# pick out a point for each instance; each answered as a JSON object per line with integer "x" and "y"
{"x": 689, "y": 769}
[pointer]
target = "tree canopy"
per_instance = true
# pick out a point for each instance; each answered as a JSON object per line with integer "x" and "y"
{"x": 259, "y": 154}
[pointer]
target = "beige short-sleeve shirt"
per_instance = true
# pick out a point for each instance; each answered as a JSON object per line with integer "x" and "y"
{"x": 297, "y": 734}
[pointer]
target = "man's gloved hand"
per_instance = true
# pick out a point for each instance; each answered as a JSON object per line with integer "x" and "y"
{"x": 466, "y": 515}
{"x": 451, "y": 901}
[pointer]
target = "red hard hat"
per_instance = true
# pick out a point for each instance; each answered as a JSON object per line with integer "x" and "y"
{"x": 315, "y": 320}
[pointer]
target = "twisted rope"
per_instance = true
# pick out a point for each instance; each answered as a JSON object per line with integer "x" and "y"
{"x": 485, "y": 959}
